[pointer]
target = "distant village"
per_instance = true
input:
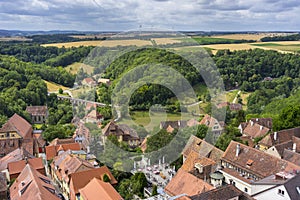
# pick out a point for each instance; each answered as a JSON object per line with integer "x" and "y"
{"x": 67, "y": 169}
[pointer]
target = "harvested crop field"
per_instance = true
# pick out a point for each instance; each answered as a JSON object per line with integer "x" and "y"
{"x": 254, "y": 36}
{"x": 104, "y": 43}
{"x": 160, "y": 41}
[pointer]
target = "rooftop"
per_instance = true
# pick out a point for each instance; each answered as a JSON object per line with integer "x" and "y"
{"x": 186, "y": 183}
{"x": 96, "y": 188}
{"x": 19, "y": 124}
{"x": 16, "y": 155}
{"x": 30, "y": 184}
{"x": 203, "y": 148}
{"x": 81, "y": 179}
{"x": 52, "y": 151}
{"x": 17, "y": 166}
{"x": 225, "y": 192}
{"x": 259, "y": 160}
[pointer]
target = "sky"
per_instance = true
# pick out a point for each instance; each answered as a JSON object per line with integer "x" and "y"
{"x": 124, "y": 15}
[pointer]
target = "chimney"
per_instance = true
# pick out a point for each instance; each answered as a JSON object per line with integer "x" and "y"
{"x": 238, "y": 149}
{"x": 275, "y": 136}
{"x": 251, "y": 122}
{"x": 26, "y": 160}
{"x": 261, "y": 128}
{"x": 294, "y": 147}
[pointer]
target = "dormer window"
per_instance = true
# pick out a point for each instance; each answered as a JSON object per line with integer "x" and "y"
{"x": 249, "y": 162}
{"x": 199, "y": 167}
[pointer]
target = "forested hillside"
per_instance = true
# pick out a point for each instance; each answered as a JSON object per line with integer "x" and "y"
{"x": 22, "y": 84}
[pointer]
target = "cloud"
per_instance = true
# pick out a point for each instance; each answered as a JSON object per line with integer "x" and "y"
{"x": 124, "y": 15}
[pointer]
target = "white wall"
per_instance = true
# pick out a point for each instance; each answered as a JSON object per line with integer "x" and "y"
{"x": 273, "y": 194}
{"x": 273, "y": 151}
{"x": 241, "y": 185}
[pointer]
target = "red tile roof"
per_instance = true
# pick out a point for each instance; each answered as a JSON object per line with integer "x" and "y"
{"x": 96, "y": 189}
{"x": 16, "y": 155}
{"x": 263, "y": 164}
{"x": 186, "y": 183}
{"x": 193, "y": 158}
{"x": 17, "y": 166}
{"x": 255, "y": 130}
{"x": 3, "y": 183}
{"x": 52, "y": 151}
{"x": 203, "y": 149}
{"x": 79, "y": 180}
{"x": 281, "y": 137}
{"x": 19, "y": 124}
{"x": 71, "y": 164}
{"x": 30, "y": 184}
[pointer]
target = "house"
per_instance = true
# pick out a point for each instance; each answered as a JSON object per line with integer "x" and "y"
{"x": 93, "y": 117}
{"x": 255, "y": 130}
{"x": 279, "y": 137}
{"x": 38, "y": 142}
{"x": 16, "y": 155}
{"x": 96, "y": 189}
{"x": 105, "y": 81}
{"x": 243, "y": 166}
{"x": 63, "y": 166}
{"x": 228, "y": 192}
{"x": 52, "y": 151}
{"x": 123, "y": 132}
{"x": 89, "y": 82}
{"x": 3, "y": 186}
{"x": 30, "y": 184}
{"x": 216, "y": 127}
{"x": 187, "y": 184}
{"x": 82, "y": 135}
{"x": 291, "y": 156}
{"x": 266, "y": 122}
{"x": 38, "y": 114}
{"x": 232, "y": 106}
{"x": 199, "y": 166}
{"x": 80, "y": 179}
{"x": 58, "y": 141}
{"x": 285, "y": 186}
{"x": 203, "y": 149}
{"x": 15, "y": 168}
{"x": 14, "y": 134}
{"x": 170, "y": 126}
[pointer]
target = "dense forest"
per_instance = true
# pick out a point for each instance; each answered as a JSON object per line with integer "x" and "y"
{"x": 52, "y": 56}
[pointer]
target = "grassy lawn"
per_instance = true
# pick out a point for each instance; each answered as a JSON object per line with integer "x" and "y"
{"x": 244, "y": 96}
{"x": 53, "y": 87}
{"x": 231, "y": 95}
{"x": 73, "y": 68}
{"x": 37, "y": 126}
{"x": 149, "y": 122}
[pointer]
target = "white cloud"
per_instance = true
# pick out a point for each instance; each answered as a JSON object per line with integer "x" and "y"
{"x": 128, "y": 14}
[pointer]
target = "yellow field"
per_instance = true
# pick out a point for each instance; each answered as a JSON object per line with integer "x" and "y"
{"x": 160, "y": 41}
{"x": 256, "y": 36}
{"x": 73, "y": 68}
{"x": 104, "y": 43}
{"x": 53, "y": 87}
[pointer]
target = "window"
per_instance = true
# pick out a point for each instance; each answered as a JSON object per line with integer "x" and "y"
{"x": 246, "y": 189}
{"x": 7, "y": 134}
{"x": 281, "y": 192}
